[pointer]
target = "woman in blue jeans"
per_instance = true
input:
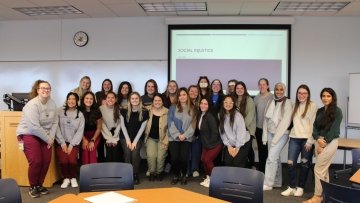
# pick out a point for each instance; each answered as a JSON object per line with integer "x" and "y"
{"x": 301, "y": 141}
{"x": 277, "y": 119}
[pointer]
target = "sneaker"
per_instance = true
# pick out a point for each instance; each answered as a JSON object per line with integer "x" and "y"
{"x": 42, "y": 190}
{"x": 195, "y": 174}
{"x": 299, "y": 192}
{"x": 65, "y": 183}
{"x": 33, "y": 192}
{"x": 265, "y": 188}
{"x": 74, "y": 182}
{"x": 207, "y": 179}
{"x": 207, "y": 183}
{"x": 289, "y": 191}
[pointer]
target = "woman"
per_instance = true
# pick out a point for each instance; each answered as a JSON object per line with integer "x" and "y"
{"x": 36, "y": 131}
{"x": 194, "y": 95}
{"x": 277, "y": 119}
{"x": 216, "y": 96}
{"x": 133, "y": 123}
{"x": 68, "y": 137}
{"x": 246, "y": 106}
{"x": 301, "y": 141}
{"x": 124, "y": 91}
{"x": 207, "y": 126}
{"x": 170, "y": 93}
{"x": 233, "y": 134}
{"x": 106, "y": 87}
{"x": 261, "y": 100}
{"x": 156, "y": 138}
{"x": 111, "y": 127}
{"x": 92, "y": 129}
{"x": 181, "y": 123}
{"x": 326, "y": 133}
{"x": 204, "y": 86}
{"x": 84, "y": 86}
{"x": 150, "y": 89}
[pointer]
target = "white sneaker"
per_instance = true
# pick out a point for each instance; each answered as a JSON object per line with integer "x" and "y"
{"x": 207, "y": 184}
{"x": 195, "y": 174}
{"x": 289, "y": 191}
{"x": 65, "y": 183}
{"x": 74, "y": 182}
{"x": 299, "y": 192}
{"x": 207, "y": 179}
{"x": 265, "y": 188}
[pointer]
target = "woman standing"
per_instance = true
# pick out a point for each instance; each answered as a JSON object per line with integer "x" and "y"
{"x": 233, "y": 134}
{"x": 301, "y": 141}
{"x": 276, "y": 123}
{"x": 207, "y": 126}
{"x": 68, "y": 137}
{"x": 204, "y": 86}
{"x": 156, "y": 138}
{"x": 37, "y": 130}
{"x": 181, "y": 123}
{"x": 111, "y": 128}
{"x": 92, "y": 129}
{"x": 106, "y": 87}
{"x": 261, "y": 100}
{"x": 84, "y": 86}
{"x": 150, "y": 89}
{"x": 133, "y": 123}
{"x": 170, "y": 93}
{"x": 326, "y": 133}
{"x": 216, "y": 96}
{"x": 246, "y": 106}
{"x": 124, "y": 91}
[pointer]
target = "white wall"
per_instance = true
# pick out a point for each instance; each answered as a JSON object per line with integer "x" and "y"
{"x": 324, "y": 49}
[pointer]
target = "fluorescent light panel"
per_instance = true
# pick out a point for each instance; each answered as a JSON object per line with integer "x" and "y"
{"x": 173, "y": 7}
{"x": 48, "y": 10}
{"x": 310, "y": 6}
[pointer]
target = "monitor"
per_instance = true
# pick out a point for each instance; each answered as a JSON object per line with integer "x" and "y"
{"x": 22, "y": 99}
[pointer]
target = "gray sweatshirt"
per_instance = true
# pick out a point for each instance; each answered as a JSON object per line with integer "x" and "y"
{"x": 108, "y": 124}
{"x": 39, "y": 119}
{"x": 235, "y": 136}
{"x": 70, "y": 129}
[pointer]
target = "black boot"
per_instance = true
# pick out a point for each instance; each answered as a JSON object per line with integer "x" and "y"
{"x": 136, "y": 179}
{"x": 184, "y": 180}
{"x": 174, "y": 180}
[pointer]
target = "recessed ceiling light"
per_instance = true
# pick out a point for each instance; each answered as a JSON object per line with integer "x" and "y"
{"x": 48, "y": 10}
{"x": 173, "y": 7}
{"x": 310, "y": 6}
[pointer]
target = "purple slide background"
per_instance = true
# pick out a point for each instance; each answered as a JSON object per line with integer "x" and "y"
{"x": 248, "y": 71}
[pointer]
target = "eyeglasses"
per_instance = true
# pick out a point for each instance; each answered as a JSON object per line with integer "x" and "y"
{"x": 45, "y": 88}
{"x": 228, "y": 103}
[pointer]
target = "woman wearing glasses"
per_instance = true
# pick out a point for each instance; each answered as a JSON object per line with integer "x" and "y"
{"x": 36, "y": 130}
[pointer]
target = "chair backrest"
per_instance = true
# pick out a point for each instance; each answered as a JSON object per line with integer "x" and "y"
{"x": 333, "y": 193}
{"x": 355, "y": 160}
{"x": 236, "y": 184}
{"x": 9, "y": 191}
{"x": 106, "y": 177}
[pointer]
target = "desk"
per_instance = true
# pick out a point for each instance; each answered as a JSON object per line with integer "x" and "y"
{"x": 346, "y": 144}
{"x": 158, "y": 195}
{"x": 356, "y": 177}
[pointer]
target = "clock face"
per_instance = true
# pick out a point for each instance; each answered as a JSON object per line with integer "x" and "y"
{"x": 81, "y": 38}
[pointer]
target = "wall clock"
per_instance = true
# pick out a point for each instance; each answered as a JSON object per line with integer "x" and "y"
{"x": 81, "y": 38}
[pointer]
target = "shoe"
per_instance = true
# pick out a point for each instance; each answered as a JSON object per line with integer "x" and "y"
{"x": 152, "y": 177}
{"x": 160, "y": 176}
{"x": 33, "y": 192}
{"x": 74, "y": 182}
{"x": 42, "y": 190}
{"x": 265, "y": 188}
{"x": 174, "y": 180}
{"x": 206, "y": 184}
{"x": 299, "y": 192}
{"x": 136, "y": 179}
{"x": 147, "y": 173}
{"x": 207, "y": 179}
{"x": 65, "y": 183}
{"x": 183, "y": 180}
{"x": 289, "y": 191}
{"x": 195, "y": 174}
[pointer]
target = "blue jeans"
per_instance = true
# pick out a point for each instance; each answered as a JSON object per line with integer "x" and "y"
{"x": 273, "y": 176}
{"x": 195, "y": 156}
{"x": 297, "y": 146}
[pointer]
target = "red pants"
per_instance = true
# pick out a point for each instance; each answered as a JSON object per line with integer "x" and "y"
{"x": 87, "y": 156}
{"x": 39, "y": 157}
{"x": 208, "y": 156}
{"x": 68, "y": 162}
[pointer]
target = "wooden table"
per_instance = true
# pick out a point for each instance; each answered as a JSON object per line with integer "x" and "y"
{"x": 356, "y": 177}
{"x": 348, "y": 144}
{"x": 158, "y": 195}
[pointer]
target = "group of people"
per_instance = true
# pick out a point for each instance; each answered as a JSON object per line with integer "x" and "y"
{"x": 185, "y": 126}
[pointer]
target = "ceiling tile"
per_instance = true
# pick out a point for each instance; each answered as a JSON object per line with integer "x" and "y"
{"x": 192, "y": 13}
{"x": 258, "y": 7}
{"x": 224, "y": 8}
{"x": 127, "y": 9}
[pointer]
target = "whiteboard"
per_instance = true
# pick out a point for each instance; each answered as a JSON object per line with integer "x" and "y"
{"x": 65, "y": 75}
{"x": 354, "y": 100}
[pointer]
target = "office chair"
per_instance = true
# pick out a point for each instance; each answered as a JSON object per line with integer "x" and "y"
{"x": 236, "y": 184}
{"x": 106, "y": 177}
{"x": 355, "y": 164}
{"x": 333, "y": 193}
{"x": 9, "y": 191}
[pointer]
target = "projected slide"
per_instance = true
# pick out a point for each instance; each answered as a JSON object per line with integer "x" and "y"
{"x": 242, "y": 54}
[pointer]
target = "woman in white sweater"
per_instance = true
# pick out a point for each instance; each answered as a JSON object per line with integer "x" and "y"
{"x": 277, "y": 119}
{"x": 301, "y": 141}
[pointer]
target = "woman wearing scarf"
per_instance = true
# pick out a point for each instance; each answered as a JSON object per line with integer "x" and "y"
{"x": 276, "y": 134}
